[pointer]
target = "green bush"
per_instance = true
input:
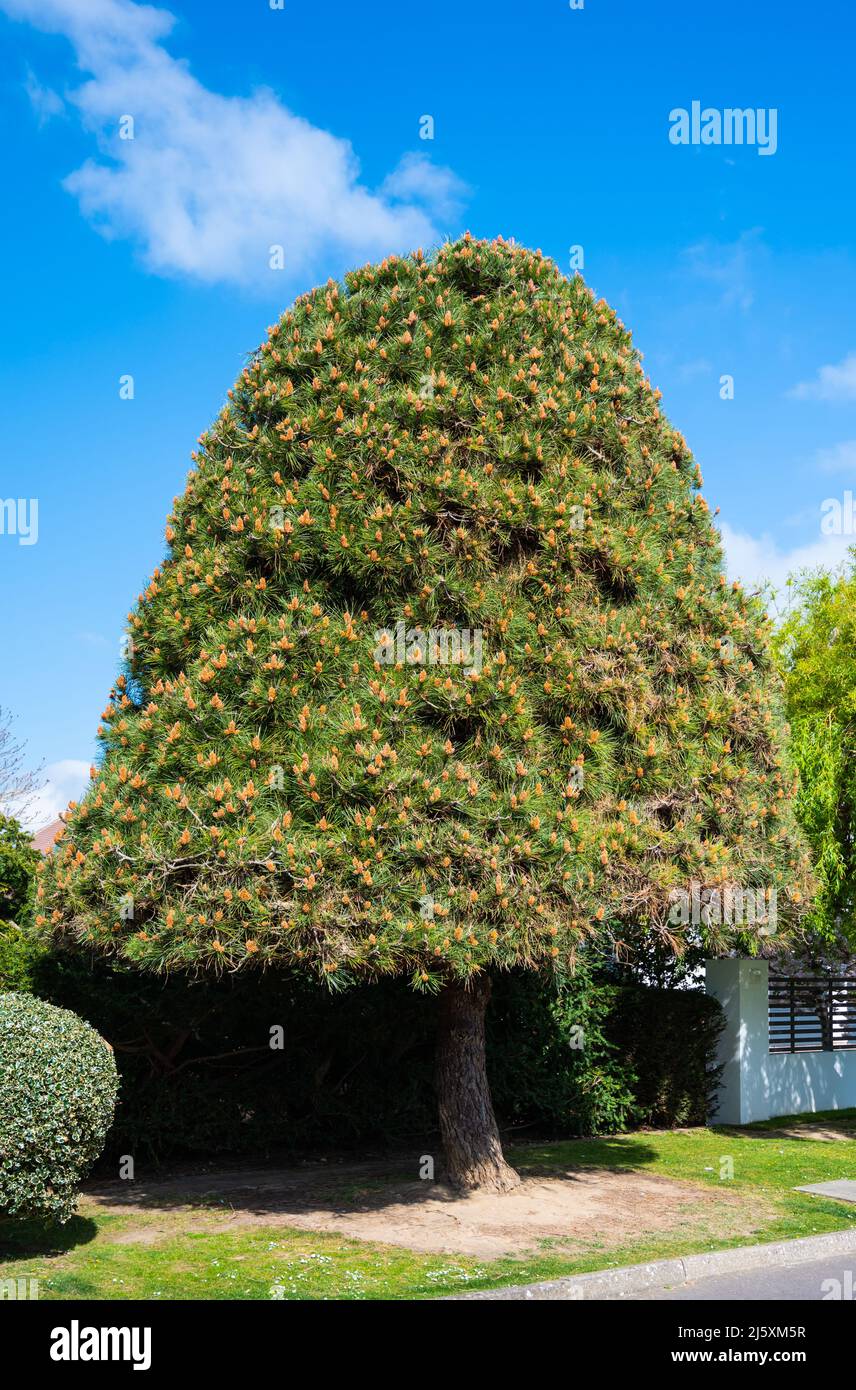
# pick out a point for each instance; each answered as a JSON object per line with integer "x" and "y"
{"x": 667, "y": 1037}
{"x": 551, "y": 1063}
{"x": 58, "y": 1085}
{"x": 18, "y": 861}
{"x": 19, "y": 950}
{"x": 20, "y": 953}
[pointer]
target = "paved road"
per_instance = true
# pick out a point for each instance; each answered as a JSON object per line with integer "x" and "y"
{"x": 797, "y": 1282}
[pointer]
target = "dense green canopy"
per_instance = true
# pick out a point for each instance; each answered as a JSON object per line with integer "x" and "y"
{"x": 18, "y": 860}
{"x": 441, "y": 670}
{"x": 816, "y": 644}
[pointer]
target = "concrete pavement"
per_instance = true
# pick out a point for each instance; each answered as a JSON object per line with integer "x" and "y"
{"x": 809, "y": 1263}
{"x": 810, "y": 1281}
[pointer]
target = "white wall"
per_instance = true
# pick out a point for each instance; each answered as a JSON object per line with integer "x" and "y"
{"x": 757, "y": 1084}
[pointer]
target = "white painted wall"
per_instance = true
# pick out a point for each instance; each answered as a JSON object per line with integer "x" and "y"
{"x": 757, "y": 1084}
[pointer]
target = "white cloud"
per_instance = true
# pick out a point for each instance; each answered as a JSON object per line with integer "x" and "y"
{"x": 758, "y": 560}
{"x": 417, "y": 179}
{"x": 64, "y": 781}
{"x": 210, "y": 183}
{"x": 840, "y": 458}
{"x": 836, "y": 382}
{"x": 728, "y": 266}
{"x": 699, "y": 366}
{"x": 44, "y": 101}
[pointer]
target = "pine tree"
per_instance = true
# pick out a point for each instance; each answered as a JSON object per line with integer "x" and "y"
{"x": 440, "y": 675}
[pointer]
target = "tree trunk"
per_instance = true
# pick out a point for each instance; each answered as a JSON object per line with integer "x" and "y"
{"x": 467, "y": 1123}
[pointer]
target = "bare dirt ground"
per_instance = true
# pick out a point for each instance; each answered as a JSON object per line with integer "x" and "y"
{"x": 573, "y": 1210}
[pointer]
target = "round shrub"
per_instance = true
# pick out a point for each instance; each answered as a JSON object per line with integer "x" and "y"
{"x": 58, "y": 1085}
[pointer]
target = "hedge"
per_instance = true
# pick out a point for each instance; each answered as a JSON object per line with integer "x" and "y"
{"x": 356, "y": 1069}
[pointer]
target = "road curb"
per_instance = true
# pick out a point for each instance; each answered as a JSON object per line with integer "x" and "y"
{"x": 617, "y": 1283}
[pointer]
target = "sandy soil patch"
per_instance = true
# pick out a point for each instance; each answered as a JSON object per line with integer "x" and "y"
{"x": 574, "y": 1210}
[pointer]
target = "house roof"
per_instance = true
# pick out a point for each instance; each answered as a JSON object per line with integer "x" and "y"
{"x": 44, "y": 838}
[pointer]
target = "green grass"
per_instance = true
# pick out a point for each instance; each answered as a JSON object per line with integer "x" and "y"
{"x": 164, "y": 1258}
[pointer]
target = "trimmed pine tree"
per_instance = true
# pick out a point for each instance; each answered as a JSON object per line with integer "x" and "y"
{"x": 440, "y": 674}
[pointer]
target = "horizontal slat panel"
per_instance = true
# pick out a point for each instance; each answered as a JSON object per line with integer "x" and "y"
{"x": 812, "y": 1014}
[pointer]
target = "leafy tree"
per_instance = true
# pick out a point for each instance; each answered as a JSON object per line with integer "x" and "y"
{"x": 816, "y": 645}
{"x": 18, "y": 861}
{"x": 440, "y": 674}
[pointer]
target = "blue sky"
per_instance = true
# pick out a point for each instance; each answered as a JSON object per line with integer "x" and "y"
{"x": 257, "y": 127}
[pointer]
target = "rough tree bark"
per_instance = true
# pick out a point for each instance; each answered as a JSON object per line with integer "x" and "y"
{"x": 467, "y": 1123}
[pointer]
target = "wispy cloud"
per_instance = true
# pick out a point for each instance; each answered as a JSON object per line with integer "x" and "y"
{"x": 726, "y": 266}
{"x": 840, "y": 458}
{"x": 689, "y": 371}
{"x": 836, "y": 382}
{"x": 758, "y": 560}
{"x": 209, "y": 183}
{"x": 63, "y": 782}
{"x": 45, "y": 102}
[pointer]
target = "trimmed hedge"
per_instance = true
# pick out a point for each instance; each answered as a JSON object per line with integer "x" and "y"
{"x": 356, "y": 1069}
{"x": 58, "y": 1085}
{"x": 667, "y": 1039}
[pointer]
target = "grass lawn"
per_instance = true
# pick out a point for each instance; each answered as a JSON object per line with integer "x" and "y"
{"x": 153, "y": 1254}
